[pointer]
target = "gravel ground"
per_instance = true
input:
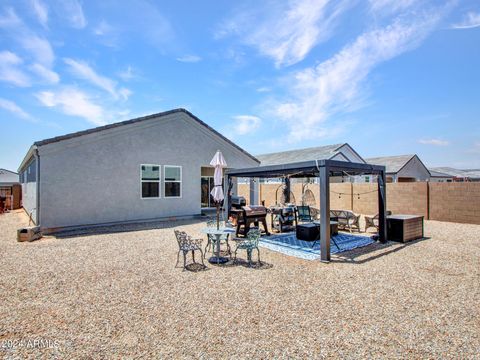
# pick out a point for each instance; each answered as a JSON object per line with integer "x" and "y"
{"x": 119, "y": 295}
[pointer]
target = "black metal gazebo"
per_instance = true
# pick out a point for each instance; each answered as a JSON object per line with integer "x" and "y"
{"x": 321, "y": 169}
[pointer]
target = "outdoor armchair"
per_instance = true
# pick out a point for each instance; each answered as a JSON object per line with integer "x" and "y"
{"x": 303, "y": 214}
{"x": 346, "y": 219}
{"x": 185, "y": 244}
{"x": 249, "y": 244}
{"x": 372, "y": 221}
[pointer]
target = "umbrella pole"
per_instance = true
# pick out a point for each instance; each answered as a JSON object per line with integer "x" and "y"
{"x": 218, "y": 215}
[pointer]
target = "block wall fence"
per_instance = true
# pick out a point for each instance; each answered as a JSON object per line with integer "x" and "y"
{"x": 454, "y": 202}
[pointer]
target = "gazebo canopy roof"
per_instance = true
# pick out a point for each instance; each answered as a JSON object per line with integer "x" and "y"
{"x": 308, "y": 169}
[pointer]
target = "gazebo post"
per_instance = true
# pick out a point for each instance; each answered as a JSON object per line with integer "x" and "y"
{"x": 227, "y": 180}
{"x": 254, "y": 189}
{"x": 287, "y": 191}
{"x": 324, "y": 174}
{"x": 382, "y": 207}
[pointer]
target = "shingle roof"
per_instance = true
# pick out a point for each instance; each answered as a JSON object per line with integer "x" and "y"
{"x": 448, "y": 170}
{"x": 292, "y": 156}
{"x": 467, "y": 173}
{"x": 392, "y": 164}
{"x": 436, "y": 173}
{"x": 472, "y": 173}
{"x": 136, "y": 120}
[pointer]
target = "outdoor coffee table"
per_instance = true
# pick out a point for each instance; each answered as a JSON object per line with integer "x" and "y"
{"x": 333, "y": 231}
{"x": 218, "y": 234}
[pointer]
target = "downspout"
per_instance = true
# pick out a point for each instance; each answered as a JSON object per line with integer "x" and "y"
{"x": 37, "y": 162}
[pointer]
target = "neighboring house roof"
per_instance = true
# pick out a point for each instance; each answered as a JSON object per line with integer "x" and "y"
{"x": 8, "y": 177}
{"x": 393, "y": 164}
{"x": 128, "y": 122}
{"x": 472, "y": 173}
{"x": 313, "y": 153}
{"x": 449, "y": 171}
{"x": 435, "y": 173}
{"x": 459, "y": 173}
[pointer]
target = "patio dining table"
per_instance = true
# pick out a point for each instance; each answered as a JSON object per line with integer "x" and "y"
{"x": 217, "y": 259}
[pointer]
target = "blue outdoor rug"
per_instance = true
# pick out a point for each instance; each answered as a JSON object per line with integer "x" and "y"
{"x": 288, "y": 244}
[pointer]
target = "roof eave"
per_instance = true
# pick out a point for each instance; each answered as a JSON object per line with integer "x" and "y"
{"x": 28, "y": 156}
{"x": 143, "y": 118}
{"x": 220, "y": 135}
{"x": 351, "y": 148}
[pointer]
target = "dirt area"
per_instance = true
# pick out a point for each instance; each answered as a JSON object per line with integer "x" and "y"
{"x": 119, "y": 294}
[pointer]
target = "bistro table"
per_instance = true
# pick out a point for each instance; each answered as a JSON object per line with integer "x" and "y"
{"x": 218, "y": 234}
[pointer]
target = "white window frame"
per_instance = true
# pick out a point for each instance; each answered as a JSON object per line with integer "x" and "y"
{"x": 165, "y": 181}
{"x": 159, "y": 181}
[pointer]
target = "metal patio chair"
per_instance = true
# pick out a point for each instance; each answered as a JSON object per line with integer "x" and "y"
{"x": 185, "y": 244}
{"x": 249, "y": 244}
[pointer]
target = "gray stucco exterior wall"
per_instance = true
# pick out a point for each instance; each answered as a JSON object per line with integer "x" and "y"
{"x": 29, "y": 189}
{"x": 29, "y": 199}
{"x": 95, "y": 178}
{"x": 414, "y": 169}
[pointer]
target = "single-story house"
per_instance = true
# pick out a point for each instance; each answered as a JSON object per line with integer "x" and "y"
{"x": 402, "y": 168}
{"x": 438, "y": 176}
{"x": 472, "y": 174}
{"x": 147, "y": 168}
{"x": 10, "y": 189}
{"x": 459, "y": 175}
{"x": 340, "y": 152}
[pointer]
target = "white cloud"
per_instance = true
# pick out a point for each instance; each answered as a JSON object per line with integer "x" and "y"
{"x": 141, "y": 20}
{"x": 10, "y": 19}
{"x": 103, "y": 28}
{"x": 108, "y": 35}
{"x": 41, "y": 11}
{"x": 189, "y": 58}
{"x": 14, "y": 109}
{"x": 73, "y": 102}
{"x": 127, "y": 74}
{"x": 390, "y": 6}
{"x": 46, "y": 74}
{"x": 469, "y": 21}
{"x": 263, "y": 89}
{"x": 286, "y": 32}
{"x": 38, "y": 46}
{"x": 83, "y": 71}
{"x": 124, "y": 93}
{"x": 10, "y": 70}
{"x": 152, "y": 24}
{"x": 335, "y": 86}
{"x": 245, "y": 124}
{"x": 435, "y": 142}
{"x": 72, "y": 10}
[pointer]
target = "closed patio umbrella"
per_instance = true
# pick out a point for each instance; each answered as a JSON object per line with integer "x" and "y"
{"x": 219, "y": 163}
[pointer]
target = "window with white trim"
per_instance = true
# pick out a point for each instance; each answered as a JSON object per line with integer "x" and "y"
{"x": 172, "y": 181}
{"x": 150, "y": 178}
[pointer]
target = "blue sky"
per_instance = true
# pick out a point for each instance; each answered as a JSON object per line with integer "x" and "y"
{"x": 389, "y": 77}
